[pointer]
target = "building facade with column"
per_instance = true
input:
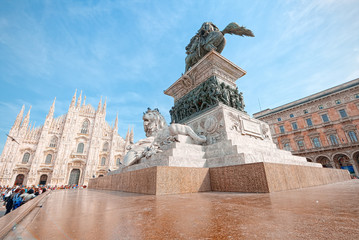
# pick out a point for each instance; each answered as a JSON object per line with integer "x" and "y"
{"x": 67, "y": 150}
{"x": 322, "y": 127}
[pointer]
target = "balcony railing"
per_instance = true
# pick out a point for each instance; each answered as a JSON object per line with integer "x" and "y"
{"x": 325, "y": 148}
{"x": 78, "y": 155}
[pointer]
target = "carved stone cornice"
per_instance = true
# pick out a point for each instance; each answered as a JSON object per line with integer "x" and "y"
{"x": 298, "y": 138}
{"x": 313, "y": 134}
{"x": 22, "y": 167}
{"x": 29, "y": 150}
{"x": 330, "y": 131}
{"x": 349, "y": 127}
{"x": 285, "y": 140}
{"x": 213, "y": 64}
{"x": 45, "y": 168}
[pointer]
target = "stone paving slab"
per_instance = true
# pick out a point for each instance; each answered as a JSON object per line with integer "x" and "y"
{"x": 322, "y": 212}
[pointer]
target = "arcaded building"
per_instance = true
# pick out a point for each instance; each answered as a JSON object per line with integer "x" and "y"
{"x": 322, "y": 127}
{"x": 66, "y": 150}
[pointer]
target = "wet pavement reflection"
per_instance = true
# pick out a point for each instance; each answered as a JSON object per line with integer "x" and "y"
{"x": 325, "y": 212}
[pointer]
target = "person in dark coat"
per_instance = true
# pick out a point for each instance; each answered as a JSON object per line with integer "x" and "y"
{"x": 10, "y": 203}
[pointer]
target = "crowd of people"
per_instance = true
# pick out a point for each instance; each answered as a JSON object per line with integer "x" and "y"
{"x": 14, "y": 197}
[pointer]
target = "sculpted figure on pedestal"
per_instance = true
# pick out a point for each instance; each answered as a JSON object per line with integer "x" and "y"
{"x": 158, "y": 133}
{"x": 209, "y": 38}
{"x": 207, "y": 94}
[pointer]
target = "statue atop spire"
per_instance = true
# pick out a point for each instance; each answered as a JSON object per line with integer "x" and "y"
{"x": 79, "y": 100}
{"x": 131, "y": 136}
{"x": 99, "y": 105}
{"x": 73, "y": 102}
{"x": 52, "y": 110}
{"x": 19, "y": 117}
{"x": 26, "y": 121}
{"x": 127, "y": 139}
{"x": 115, "y": 127}
{"x": 104, "y": 106}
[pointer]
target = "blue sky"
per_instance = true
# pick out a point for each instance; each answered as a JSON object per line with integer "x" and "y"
{"x": 130, "y": 51}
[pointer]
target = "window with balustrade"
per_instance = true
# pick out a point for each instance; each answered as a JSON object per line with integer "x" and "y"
{"x": 118, "y": 162}
{"x": 294, "y": 125}
{"x": 333, "y": 140}
{"x": 25, "y": 158}
{"x": 300, "y": 144}
{"x": 281, "y": 129}
{"x": 103, "y": 161}
{"x": 287, "y": 147}
{"x": 53, "y": 142}
{"x": 85, "y": 127}
{"x": 80, "y": 148}
{"x": 352, "y": 136}
{"x": 316, "y": 142}
{"x": 105, "y": 147}
{"x": 309, "y": 122}
{"x": 48, "y": 159}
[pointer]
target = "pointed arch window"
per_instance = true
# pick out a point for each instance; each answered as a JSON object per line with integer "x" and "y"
{"x": 85, "y": 127}
{"x": 25, "y": 158}
{"x": 80, "y": 148}
{"x": 48, "y": 159}
{"x": 103, "y": 161}
{"x": 53, "y": 142}
{"x": 105, "y": 147}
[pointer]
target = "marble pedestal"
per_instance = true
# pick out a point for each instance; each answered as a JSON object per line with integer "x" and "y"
{"x": 239, "y": 154}
{"x": 249, "y": 178}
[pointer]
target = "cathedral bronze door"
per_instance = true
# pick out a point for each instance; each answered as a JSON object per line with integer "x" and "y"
{"x": 19, "y": 180}
{"x": 74, "y": 177}
{"x": 43, "y": 179}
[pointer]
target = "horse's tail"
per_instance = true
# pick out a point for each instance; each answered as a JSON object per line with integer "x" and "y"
{"x": 234, "y": 28}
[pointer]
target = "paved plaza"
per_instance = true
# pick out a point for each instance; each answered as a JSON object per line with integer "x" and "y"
{"x": 324, "y": 212}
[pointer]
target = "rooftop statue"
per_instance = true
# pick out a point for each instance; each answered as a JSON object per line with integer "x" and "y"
{"x": 158, "y": 133}
{"x": 210, "y": 38}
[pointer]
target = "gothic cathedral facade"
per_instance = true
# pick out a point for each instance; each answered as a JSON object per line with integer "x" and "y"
{"x": 67, "y": 150}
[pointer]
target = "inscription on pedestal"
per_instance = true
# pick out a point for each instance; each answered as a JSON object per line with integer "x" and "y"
{"x": 251, "y": 127}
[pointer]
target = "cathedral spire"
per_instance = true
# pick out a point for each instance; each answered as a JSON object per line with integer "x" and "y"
{"x": 84, "y": 103}
{"x": 116, "y": 123}
{"x": 18, "y": 120}
{"x": 25, "y": 123}
{"x": 99, "y": 105}
{"x": 73, "y": 102}
{"x": 52, "y": 109}
{"x": 79, "y": 99}
{"x": 104, "y": 106}
{"x": 131, "y": 136}
{"x": 128, "y": 135}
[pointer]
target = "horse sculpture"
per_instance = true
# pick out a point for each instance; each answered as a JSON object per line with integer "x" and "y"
{"x": 158, "y": 133}
{"x": 209, "y": 38}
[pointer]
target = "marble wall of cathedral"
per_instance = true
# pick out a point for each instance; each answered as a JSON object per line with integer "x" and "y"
{"x": 69, "y": 149}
